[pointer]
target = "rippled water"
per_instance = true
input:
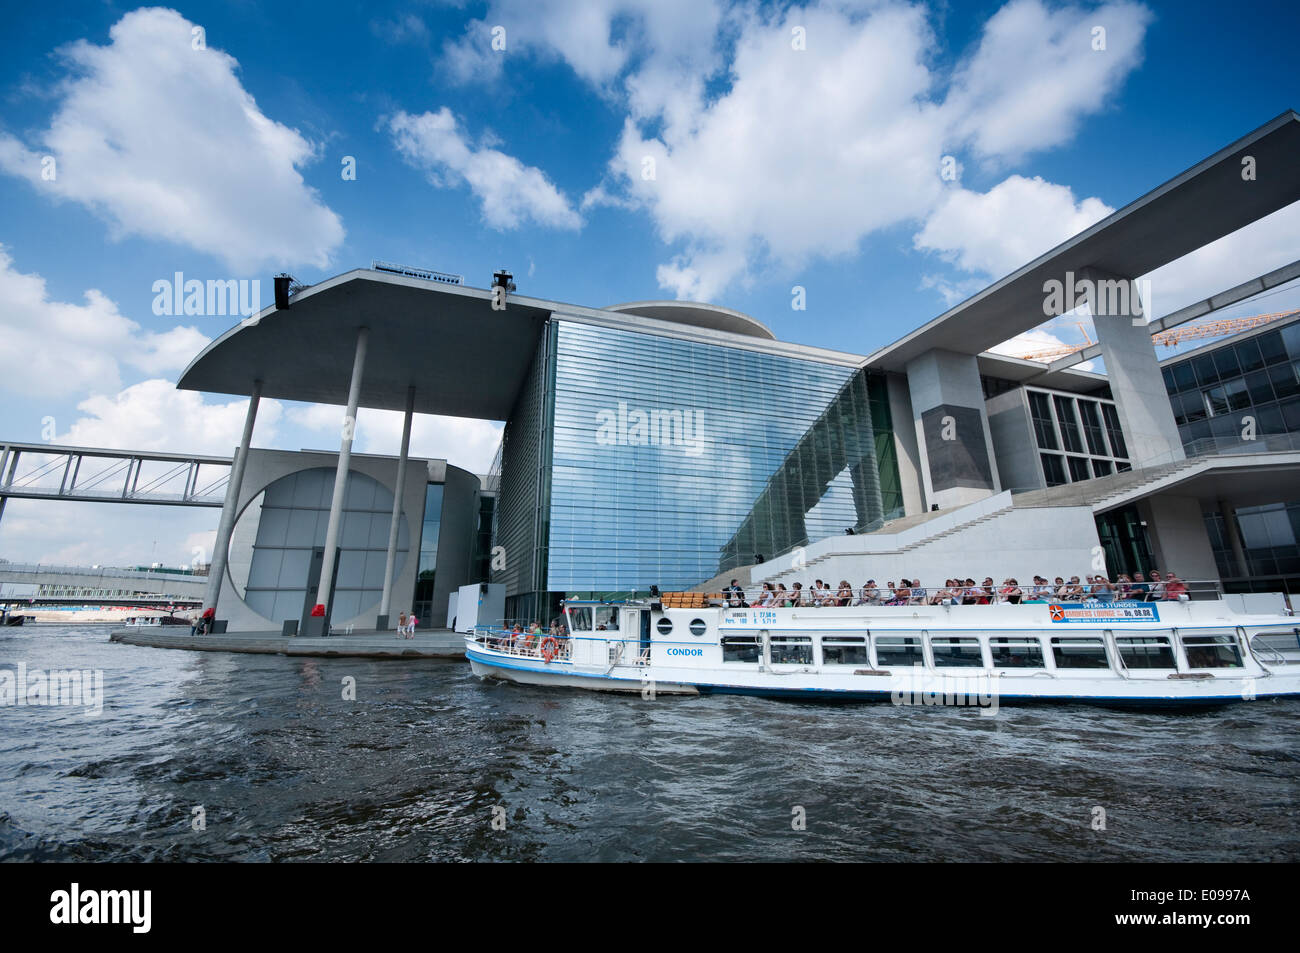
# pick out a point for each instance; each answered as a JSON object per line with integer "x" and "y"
{"x": 285, "y": 769}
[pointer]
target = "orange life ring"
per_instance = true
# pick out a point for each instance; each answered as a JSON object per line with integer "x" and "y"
{"x": 550, "y": 651}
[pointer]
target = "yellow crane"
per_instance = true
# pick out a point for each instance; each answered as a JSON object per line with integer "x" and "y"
{"x": 1174, "y": 336}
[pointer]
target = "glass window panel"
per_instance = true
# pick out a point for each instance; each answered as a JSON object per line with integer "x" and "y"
{"x": 1016, "y": 653}
{"x": 1053, "y": 469}
{"x": 1205, "y": 370}
{"x": 957, "y": 652}
{"x": 844, "y": 650}
{"x": 1225, "y": 360}
{"x": 1271, "y": 348}
{"x": 899, "y": 650}
{"x": 1079, "y": 653}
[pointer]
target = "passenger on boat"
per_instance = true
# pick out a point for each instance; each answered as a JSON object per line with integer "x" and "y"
{"x": 869, "y": 595}
{"x": 1123, "y": 587}
{"x": 1102, "y": 589}
{"x": 1174, "y": 587}
{"x": 1157, "y": 591}
{"x": 917, "y": 596}
{"x": 1010, "y": 592}
{"x": 1140, "y": 587}
{"x": 783, "y": 597}
{"x": 902, "y": 594}
{"x": 970, "y": 593}
{"x": 797, "y": 597}
{"x": 845, "y": 596}
{"x": 735, "y": 596}
{"x": 767, "y": 598}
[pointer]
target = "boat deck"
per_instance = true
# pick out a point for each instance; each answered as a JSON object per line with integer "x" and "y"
{"x": 431, "y": 643}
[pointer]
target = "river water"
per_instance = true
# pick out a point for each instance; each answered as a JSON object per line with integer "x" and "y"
{"x": 430, "y": 763}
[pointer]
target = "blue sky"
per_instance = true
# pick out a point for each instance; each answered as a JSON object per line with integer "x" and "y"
{"x": 775, "y": 166}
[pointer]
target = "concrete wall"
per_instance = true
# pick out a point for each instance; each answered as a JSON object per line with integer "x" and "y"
{"x": 1179, "y": 542}
{"x": 456, "y": 538}
{"x": 986, "y": 538}
{"x": 952, "y": 433}
{"x": 1014, "y": 446}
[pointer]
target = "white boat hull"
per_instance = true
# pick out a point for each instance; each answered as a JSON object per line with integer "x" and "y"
{"x": 685, "y": 655}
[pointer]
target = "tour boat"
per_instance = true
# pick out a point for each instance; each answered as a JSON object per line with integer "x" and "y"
{"x": 1181, "y": 653}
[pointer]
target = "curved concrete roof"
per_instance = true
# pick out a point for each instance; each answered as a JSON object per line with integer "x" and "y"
{"x": 697, "y": 315}
{"x": 464, "y": 358}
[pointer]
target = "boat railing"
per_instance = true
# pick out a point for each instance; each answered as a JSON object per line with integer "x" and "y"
{"x": 523, "y": 644}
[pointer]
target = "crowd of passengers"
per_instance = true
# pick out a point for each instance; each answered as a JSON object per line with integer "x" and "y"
{"x": 528, "y": 641}
{"x": 966, "y": 592}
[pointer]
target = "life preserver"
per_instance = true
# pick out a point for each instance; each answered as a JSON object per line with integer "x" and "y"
{"x": 550, "y": 648}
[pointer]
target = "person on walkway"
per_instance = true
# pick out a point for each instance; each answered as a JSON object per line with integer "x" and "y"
{"x": 401, "y": 623}
{"x": 411, "y": 620}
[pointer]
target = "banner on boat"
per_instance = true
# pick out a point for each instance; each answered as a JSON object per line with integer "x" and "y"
{"x": 1101, "y": 612}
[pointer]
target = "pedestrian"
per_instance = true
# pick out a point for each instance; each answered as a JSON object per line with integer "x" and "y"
{"x": 401, "y": 623}
{"x": 411, "y": 620}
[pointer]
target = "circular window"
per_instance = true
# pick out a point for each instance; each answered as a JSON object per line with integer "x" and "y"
{"x": 698, "y": 627}
{"x": 665, "y": 626}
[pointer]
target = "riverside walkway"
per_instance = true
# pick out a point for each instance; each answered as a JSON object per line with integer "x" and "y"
{"x": 433, "y": 643}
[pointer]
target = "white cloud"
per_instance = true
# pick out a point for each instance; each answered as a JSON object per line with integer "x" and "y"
{"x": 154, "y": 415}
{"x": 161, "y": 140}
{"x": 71, "y": 348}
{"x": 796, "y": 154}
{"x": 511, "y": 192}
{"x": 1036, "y": 74}
{"x": 995, "y": 232}
{"x": 461, "y": 441}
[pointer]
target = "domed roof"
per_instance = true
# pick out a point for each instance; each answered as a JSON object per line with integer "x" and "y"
{"x": 697, "y": 315}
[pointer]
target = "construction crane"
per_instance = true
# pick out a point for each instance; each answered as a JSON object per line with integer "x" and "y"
{"x": 1174, "y": 336}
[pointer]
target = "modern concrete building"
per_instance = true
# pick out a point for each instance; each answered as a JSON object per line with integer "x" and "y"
{"x": 670, "y": 443}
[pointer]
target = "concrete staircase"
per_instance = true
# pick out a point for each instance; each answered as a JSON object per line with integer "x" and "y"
{"x": 1105, "y": 492}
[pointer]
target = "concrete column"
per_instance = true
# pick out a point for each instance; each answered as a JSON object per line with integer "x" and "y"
{"x": 217, "y": 569}
{"x": 1229, "y": 513}
{"x": 1136, "y": 383}
{"x": 1178, "y": 538}
{"x": 341, "y": 474}
{"x": 952, "y": 428}
{"x": 394, "y": 526}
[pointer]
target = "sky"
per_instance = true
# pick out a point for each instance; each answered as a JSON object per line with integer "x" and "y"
{"x": 885, "y": 159}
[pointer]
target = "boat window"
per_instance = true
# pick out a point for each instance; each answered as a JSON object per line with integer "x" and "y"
{"x": 606, "y": 618}
{"x": 899, "y": 650}
{"x": 957, "y": 652}
{"x": 1079, "y": 652}
{"x": 791, "y": 650}
{"x": 740, "y": 648}
{"x": 665, "y": 626}
{"x": 698, "y": 627}
{"x": 1145, "y": 652}
{"x": 844, "y": 650}
{"x": 1016, "y": 653}
{"x": 580, "y": 619}
{"x": 1212, "y": 651}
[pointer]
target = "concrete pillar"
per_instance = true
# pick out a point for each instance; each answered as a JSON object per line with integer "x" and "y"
{"x": 341, "y": 476}
{"x": 217, "y": 569}
{"x": 1178, "y": 538}
{"x": 394, "y": 526}
{"x": 1229, "y": 513}
{"x": 906, "y": 451}
{"x": 952, "y": 428}
{"x": 1136, "y": 383}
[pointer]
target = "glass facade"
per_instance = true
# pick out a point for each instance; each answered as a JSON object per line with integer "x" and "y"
{"x": 662, "y": 461}
{"x": 1079, "y": 438}
{"x": 1213, "y": 392}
